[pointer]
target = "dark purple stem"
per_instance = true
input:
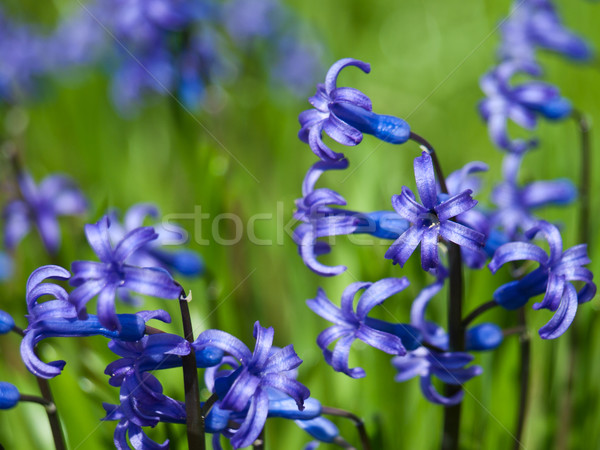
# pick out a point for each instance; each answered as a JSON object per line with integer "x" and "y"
{"x": 478, "y": 311}
{"x": 195, "y": 420}
{"x": 358, "y": 423}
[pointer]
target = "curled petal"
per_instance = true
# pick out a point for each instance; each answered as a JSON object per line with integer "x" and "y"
{"x": 564, "y": 316}
{"x": 340, "y": 355}
{"x": 378, "y": 292}
{"x": 334, "y": 71}
{"x": 98, "y": 238}
{"x": 431, "y": 394}
{"x": 323, "y": 307}
{"x": 226, "y": 342}
{"x": 517, "y": 251}
{"x": 385, "y": 342}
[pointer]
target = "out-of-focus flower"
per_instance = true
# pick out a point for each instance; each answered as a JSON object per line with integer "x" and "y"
{"x": 431, "y": 220}
{"x": 112, "y": 273}
{"x": 351, "y": 325}
{"x": 246, "y": 388}
{"x": 535, "y": 24}
{"x": 516, "y": 204}
{"x": 56, "y": 195}
{"x": 521, "y": 104}
{"x": 553, "y": 277}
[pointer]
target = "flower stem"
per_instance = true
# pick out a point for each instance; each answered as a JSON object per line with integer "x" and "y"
{"x": 525, "y": 345}
{"x": 195, "y": 420}
{"x": 478, "y": 311}
{"x": 36, "y": 399}
{"x": 360, "y": 426}
{"x": 51, "y": 410}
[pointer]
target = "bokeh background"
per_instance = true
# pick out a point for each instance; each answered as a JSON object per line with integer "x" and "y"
{"x": 239, "y": 154}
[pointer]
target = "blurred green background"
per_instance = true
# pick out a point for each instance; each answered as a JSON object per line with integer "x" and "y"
{"x": 244, "y": 158}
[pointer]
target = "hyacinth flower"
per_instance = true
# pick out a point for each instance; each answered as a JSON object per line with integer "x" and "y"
{"x": 58, "y": 317}
{"x": 344, "y": 113}
{"x": 522, "y": 104}
{"x": 349, "y": 325}
{"x": 516, "y": 204}
{"x": 319, "y": 211}
{"x": 56, "y": 195}
{"x": 9, "y": 395}
{"x": 482, "y": 337}
{"x": 448, "y": 367}
{"x": 112, "y": 273}
{"x": 247, "y": 387}
{"x": 553, "y": 277}
{"x": 219, "y": 421}
{"x": 431, "y": 219}
{"x": 153, "y": 254}
{"x": 155, "y": 352}
{"x": 535, "y": 24}
{"x": 143, "y": 403}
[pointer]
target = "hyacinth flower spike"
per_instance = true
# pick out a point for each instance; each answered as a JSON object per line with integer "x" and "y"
{"x": 259, "y": 371}
{"x": 345, "y": 113}
{"x": 553, "y": 278}
{"x": 431, "y": 220}
{"x": 56, "y": 195}
{"x": 350, "y": 325}
{"x": 112, "y": 273}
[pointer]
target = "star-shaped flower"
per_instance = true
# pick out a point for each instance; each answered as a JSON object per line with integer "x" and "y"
{"x": 431, "y": 219}
{"x": 112, "y": 273}
{"x": 350, "y": 325}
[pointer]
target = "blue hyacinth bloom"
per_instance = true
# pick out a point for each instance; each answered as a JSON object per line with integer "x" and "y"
{"x": 112, "y": 273}
{"x": 247, "y": 387}
{"x": 431, "y": 219}
{"x": 350, "y": 325}
{"x": 553, "y": 277}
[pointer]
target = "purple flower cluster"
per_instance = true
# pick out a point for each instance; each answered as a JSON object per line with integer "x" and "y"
{"x": 158, "y": 47}
{"x": 532, "y": 25}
